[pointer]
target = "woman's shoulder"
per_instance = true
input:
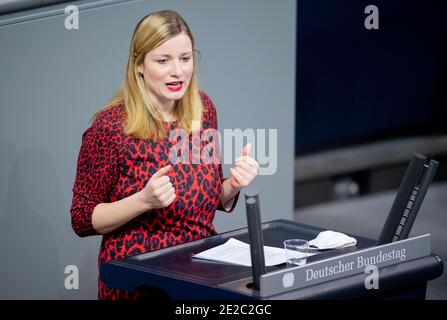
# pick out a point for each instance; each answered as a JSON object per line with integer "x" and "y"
{"x": 208, "y": 105}
{"x": 206, "y": 100}
{"x": 109, "y": 116}
{"x": 209, "y": 111}
{"x": 108, "y": 122}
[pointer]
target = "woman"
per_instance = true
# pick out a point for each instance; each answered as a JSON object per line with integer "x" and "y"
{"x": 127, "y": 187}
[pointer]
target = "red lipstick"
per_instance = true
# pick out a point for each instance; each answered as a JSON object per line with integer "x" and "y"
{"x": 175, "y": 86}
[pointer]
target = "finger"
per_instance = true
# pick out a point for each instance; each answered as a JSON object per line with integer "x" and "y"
{"x": 248, "y": 168}
{"x": 161, "y": 182}
{"x": 165, "y": 188}
{"x": 238, "y": 176}
{"x": 170, "y": 199}
{"x": 246, "y": 175}
{"x": 246, "y": 150}
{"x": 248, "y": 160}
{"x": 233, "y": 177}
{"x": 167, "y": 195}
{"x": 251, "y": 168}
{"x": 238, "y": 159}
{"x": 161, "y": 172}
{"x": 252, "y": 162}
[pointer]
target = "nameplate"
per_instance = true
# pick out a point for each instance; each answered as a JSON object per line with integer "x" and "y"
{"x": 344, "y": 265}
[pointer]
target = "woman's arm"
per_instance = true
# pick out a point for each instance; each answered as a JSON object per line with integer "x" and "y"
{"x": 228, "y": 192}
{"x": 97, "y": 173}
{"x": 158, "y": 193}
{"x": 108, "y": 217}
{"x": 242, "y": 174}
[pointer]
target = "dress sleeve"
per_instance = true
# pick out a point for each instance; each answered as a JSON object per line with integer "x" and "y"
{"x": 96, "y": 173}
{"x": 211, "y": 116}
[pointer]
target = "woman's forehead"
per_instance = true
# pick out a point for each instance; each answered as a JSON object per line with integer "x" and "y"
{"x": 178, "y": 44}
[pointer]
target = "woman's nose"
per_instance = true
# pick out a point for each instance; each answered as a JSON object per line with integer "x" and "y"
{"x": 175, "y": 69}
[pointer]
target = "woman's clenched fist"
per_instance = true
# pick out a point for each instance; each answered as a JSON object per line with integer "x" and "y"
{"x": 159, "y": 192}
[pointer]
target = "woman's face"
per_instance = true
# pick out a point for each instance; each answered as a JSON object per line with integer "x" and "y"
{"x": 167, "y": 70}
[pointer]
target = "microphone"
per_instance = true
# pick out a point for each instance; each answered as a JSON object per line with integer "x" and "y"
{"x": 255, "y": 236}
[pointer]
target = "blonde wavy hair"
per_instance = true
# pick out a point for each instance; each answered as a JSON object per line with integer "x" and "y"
{"x": 143, "y": 120}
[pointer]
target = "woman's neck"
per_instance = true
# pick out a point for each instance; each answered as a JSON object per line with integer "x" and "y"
{"x": 166, "y": 109}
{"x": 168, "y": 117}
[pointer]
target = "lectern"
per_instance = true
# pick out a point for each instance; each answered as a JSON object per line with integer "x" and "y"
{"x": 182, "y": 277}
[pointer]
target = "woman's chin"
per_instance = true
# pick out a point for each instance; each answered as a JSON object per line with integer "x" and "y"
{"x": 174, "y": 95}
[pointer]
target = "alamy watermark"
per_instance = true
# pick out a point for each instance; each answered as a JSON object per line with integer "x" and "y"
{"x": 72, "y": 19}
{"x": 372, "y": 20}
{"x": 372, "y": 280}
{"x": 206, "y": 147}
{"x": 72, "y": 279}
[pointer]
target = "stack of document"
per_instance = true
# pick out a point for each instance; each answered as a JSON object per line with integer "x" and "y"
{"x": 237, "y": 252}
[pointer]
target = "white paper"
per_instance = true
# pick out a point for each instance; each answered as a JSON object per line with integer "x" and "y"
{"x": 237, "y": 252}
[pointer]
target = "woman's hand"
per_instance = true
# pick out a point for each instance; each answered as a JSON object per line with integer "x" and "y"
{"x": 244, "y": 170}
{"x": 158, "y": 192}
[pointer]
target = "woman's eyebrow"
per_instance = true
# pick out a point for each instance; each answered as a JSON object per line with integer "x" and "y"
{"x": 162, "y": 56}
{"x": 169, "y": 56}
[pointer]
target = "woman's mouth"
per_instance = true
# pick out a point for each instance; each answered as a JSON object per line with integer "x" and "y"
{"x": 175, "y": 86}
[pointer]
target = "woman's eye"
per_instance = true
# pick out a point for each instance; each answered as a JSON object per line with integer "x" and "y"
{"x": 162, "y": 61}
{"x": 186, "y": 59}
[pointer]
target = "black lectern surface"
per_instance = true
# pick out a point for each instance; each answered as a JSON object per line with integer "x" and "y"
{"x": 182, "y": 277}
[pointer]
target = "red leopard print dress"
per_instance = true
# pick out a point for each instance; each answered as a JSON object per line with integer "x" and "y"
{"x": 112, "y": 166}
